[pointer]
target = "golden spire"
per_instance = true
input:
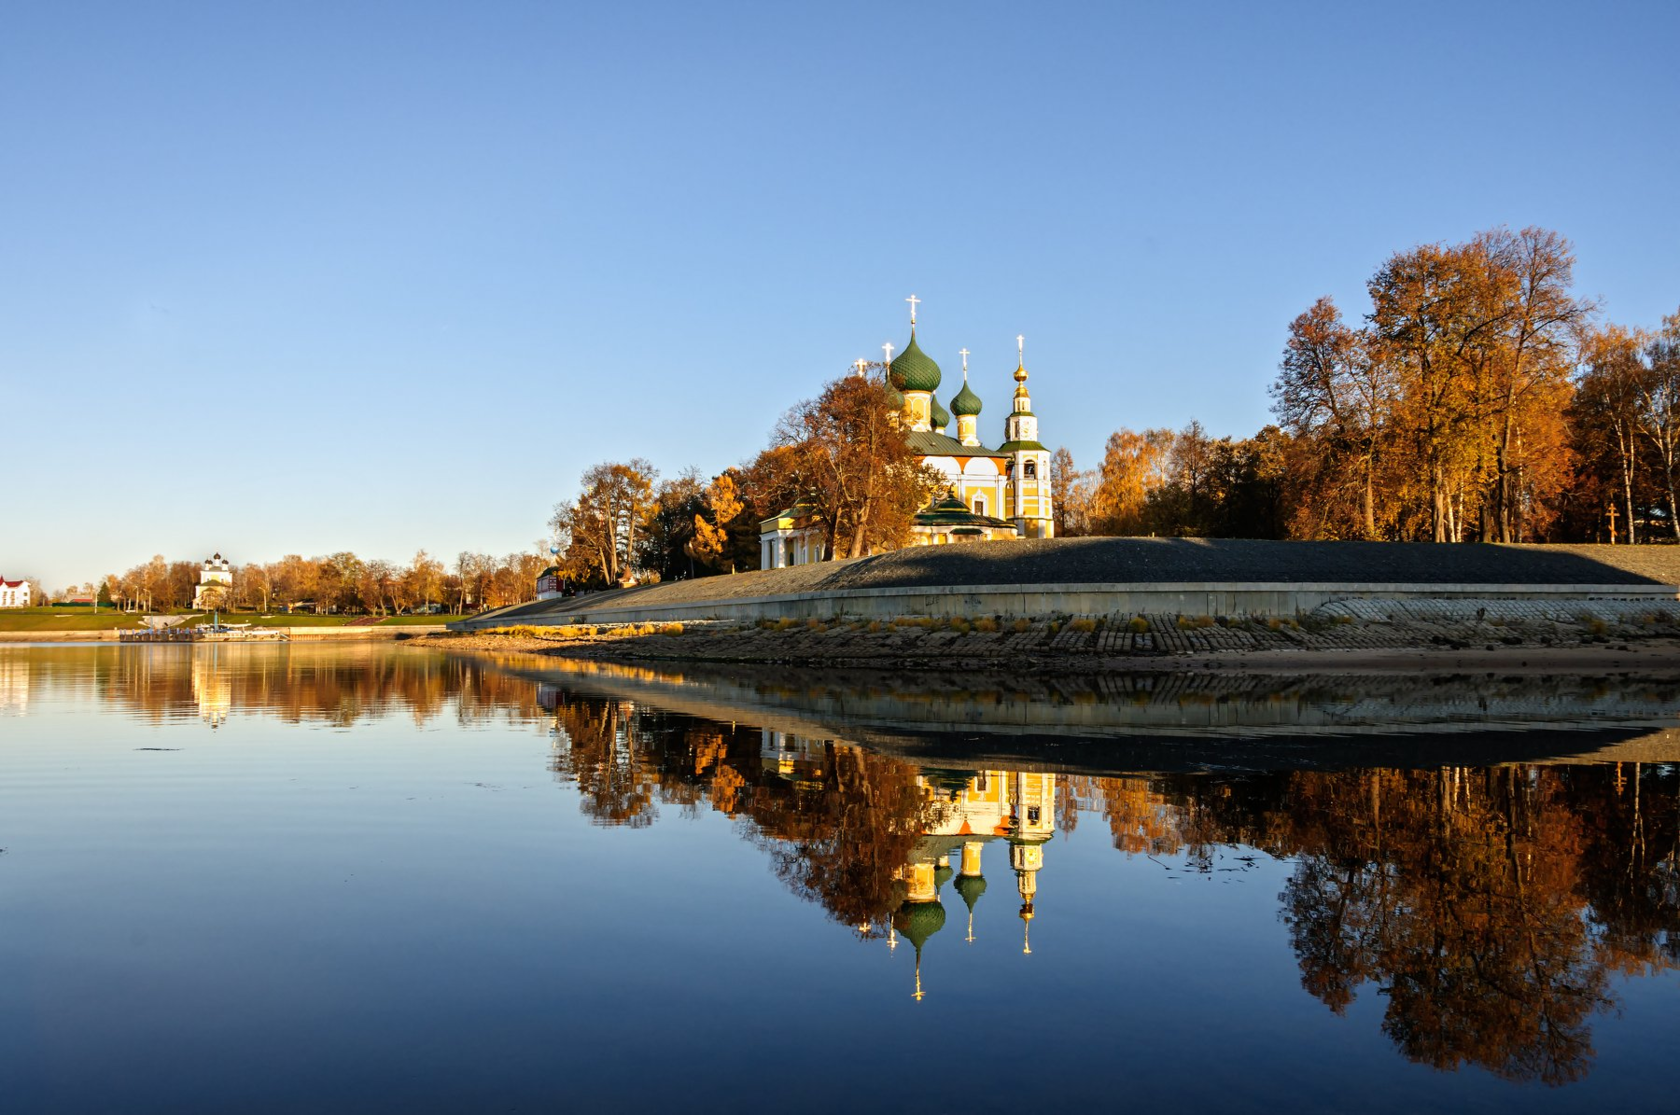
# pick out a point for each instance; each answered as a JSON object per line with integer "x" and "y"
{"x": 1026, "y": 929}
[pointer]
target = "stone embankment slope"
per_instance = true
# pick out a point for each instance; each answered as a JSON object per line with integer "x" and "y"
{"x": 1499, "y": 634}
{"x": 1099, "y": 576}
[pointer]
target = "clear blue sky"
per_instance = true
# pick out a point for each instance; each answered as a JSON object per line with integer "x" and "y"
{"x": 426, "y": 262}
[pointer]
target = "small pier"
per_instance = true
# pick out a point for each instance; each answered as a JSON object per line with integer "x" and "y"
{"x": 206, "y": 633}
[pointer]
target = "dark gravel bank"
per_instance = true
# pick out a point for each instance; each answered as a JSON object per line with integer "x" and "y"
{"x": 1155, "y": 560}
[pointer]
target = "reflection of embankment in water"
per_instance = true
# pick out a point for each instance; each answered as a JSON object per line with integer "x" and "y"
{"x": 1147, "y": 722}
{"x": 1489, "y": 908}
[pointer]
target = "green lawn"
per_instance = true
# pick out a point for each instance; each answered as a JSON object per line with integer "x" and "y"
{"x": 64, "y": 619}
{"x": 84, "y": 619}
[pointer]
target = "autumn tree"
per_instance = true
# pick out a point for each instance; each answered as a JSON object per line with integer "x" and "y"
{"x": 1605, "y": 416}
{"x": 1134, "y": 465}
{"x": 668, "y": 541}
{"x": 1658, "y": 414}
{"x": 711, "y": 535}
{"x": 1071, "y": 495}
{"x": 611, "y": 512}
{"x": 1330, "y": 393}
{"x": 853, "y": 467}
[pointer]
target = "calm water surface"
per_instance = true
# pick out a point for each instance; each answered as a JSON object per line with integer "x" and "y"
{"x": 333, "y": 877}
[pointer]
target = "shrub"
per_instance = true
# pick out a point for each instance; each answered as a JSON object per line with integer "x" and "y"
{"x": 986, "y": 624}
{"x": 1055, "y": 626}
{"x": 785, "y": 622}
{"x": 1021, "y": 626}
{"x": 815, "y": 624}
{"x": 874, "y": 626}
{"x": 671, "y": 629}
{"x": 959, "y": 625}
{"x": 1084, "y": 625}
{"x": 1139, "y": 625}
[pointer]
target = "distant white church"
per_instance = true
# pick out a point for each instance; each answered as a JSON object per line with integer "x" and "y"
{"x": 215, "y": 583}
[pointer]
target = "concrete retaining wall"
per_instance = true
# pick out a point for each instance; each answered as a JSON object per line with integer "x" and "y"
{"x": 1037, "y": 601}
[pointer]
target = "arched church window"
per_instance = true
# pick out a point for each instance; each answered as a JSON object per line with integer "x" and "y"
{"x": 979, "y": 505}
{"x": 1032, "y": 470}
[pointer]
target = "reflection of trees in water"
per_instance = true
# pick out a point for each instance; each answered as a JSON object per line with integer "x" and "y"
{"x": 1489, "y": 906}
{"x": 336, "y": 684}
{"x": 839, "y": 823}
{"x": 1458, "y": 893}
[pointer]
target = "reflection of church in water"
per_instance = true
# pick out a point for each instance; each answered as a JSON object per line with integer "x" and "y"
{"x": 966, "y": 811}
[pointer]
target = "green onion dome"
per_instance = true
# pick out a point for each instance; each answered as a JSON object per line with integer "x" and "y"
{"x": 971, "y": 887}
{"x": 913, "y": 369}
{"x": 941, "y": 417}
{"x": 919, "y": 920}
{"x": 894, "y": 396}
{"x": 942, "y": 875}
{"x": 966, "y": 402}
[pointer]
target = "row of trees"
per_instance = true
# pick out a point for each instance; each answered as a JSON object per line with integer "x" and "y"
{"x": 841, "y": 457}
{"x": 341, "y": 582}
{"x": 1478, "y": 399}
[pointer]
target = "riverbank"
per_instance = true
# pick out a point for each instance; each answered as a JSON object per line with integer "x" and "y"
{"x": 1586, "y": 642}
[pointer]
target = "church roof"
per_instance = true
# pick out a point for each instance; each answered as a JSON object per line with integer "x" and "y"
{"x": 929, "y": 444}
{"x": 951, "y": 511}
{"x": 913, "y": 369}
{"x": 1009, "y": 447}
{"x": 966, "y": 402}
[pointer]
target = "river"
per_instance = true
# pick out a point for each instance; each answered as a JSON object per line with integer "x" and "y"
{"x": 371, "y": 877}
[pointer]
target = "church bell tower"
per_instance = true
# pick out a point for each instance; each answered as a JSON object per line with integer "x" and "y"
{"x": 1029, "y": 461}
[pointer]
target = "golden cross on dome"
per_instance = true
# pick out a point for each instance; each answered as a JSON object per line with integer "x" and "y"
{"x": 914, "y": 302}
{"x": 1021, "y": 348}
{"x": 859, "y": 365}
{"x": 965, "y": 365}
{"x": 887, "y": 348}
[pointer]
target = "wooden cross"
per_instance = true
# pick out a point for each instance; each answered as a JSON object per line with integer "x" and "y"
{"x": 914, "y": 301}
{"x": 1612, "y": 522}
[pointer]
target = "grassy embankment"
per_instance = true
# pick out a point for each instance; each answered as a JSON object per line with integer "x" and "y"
{"x": 84, "y": 619}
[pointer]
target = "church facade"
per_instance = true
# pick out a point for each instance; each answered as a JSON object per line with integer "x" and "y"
{"x": 215, "y": 583}
{"x": 989, "y": 492}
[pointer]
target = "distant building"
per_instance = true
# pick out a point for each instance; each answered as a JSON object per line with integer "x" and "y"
{"x": 14, "y": 594}
{"x": 550, "y": 583}
{"x": 215, "y": 583}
